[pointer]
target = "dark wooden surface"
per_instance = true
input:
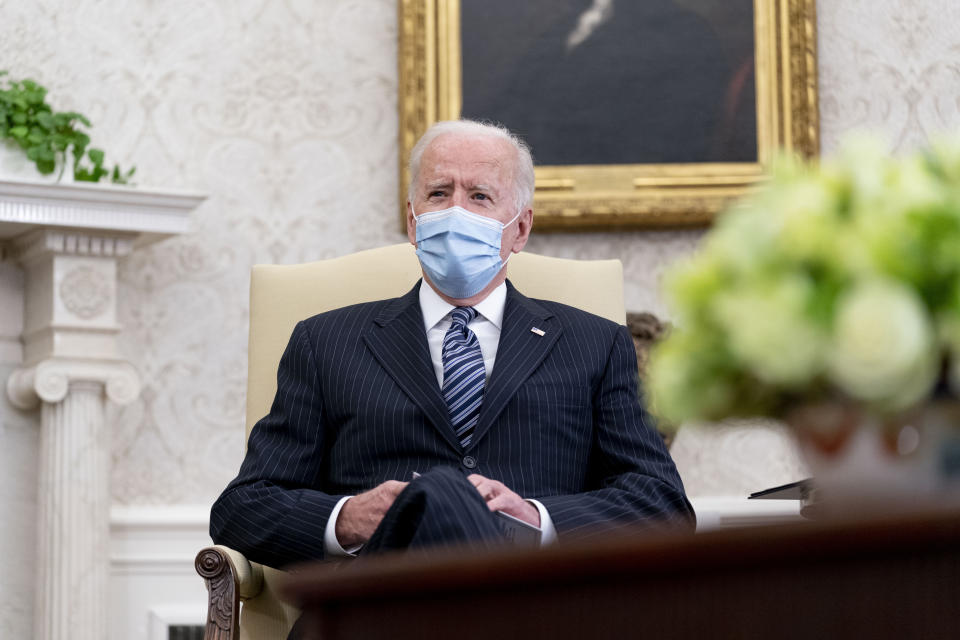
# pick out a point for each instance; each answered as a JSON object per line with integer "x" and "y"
{"x": 895, "y": 576}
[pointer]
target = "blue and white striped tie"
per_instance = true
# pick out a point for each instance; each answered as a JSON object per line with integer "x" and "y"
{"x": 463, "y": 374}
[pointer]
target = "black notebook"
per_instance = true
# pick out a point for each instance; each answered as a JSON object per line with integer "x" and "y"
{"x": 794, "y": 491}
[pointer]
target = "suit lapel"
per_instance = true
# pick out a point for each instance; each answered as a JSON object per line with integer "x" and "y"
{"x": 399, "y": 343}
{"x": 519, "y": 353}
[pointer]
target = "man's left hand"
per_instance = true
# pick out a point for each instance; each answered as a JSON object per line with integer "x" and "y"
{"x": 500, "y": 498}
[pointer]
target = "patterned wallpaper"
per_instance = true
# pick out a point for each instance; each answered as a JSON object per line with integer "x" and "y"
{"x": 889, "y": 66}
{"x": 284, "y": 112}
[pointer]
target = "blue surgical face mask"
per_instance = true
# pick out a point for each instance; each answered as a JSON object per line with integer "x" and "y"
{"x": 459, "y": 250}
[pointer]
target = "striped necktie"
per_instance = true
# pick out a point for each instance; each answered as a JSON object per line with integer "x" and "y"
{"x": 463, "y": 374}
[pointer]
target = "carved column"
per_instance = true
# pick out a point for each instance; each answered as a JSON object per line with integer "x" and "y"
{"x": 73, "y": 515}
{"x": 72, "y": 366}
{"x": 73, "y": 493}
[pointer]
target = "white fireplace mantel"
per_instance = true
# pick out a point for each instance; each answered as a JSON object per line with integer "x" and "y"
{"x": 149, "y": 214}
{"x": 58, "y": 327}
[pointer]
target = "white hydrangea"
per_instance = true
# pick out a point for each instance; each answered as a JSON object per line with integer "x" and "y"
{"x": 770, "y": 332}
{"x": 883, "y": 348}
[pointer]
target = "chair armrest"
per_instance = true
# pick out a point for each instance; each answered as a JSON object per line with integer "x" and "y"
{"x": 247, "y": 575}
{"x": 230, "y": 577}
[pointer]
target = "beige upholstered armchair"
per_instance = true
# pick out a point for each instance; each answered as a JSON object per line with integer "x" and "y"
{"x": 282, "y": 295}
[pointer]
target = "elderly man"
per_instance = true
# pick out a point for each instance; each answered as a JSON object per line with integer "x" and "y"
{"x": 410, "y": 422}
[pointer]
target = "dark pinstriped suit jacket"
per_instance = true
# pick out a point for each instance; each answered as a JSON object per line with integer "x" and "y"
{"x": 358, "y": 404}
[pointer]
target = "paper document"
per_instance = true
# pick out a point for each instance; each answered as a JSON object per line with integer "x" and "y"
{"x": 520, "y": 532}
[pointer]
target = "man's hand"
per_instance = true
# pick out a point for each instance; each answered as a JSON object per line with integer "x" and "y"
{"x": 361, "y": 514}
{"x": 500, "y": 498}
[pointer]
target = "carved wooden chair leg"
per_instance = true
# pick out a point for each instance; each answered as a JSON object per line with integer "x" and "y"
{"x": 223, "y": 612}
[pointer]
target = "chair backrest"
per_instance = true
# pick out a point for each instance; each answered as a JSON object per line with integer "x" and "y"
{"x": 282, "y": 295}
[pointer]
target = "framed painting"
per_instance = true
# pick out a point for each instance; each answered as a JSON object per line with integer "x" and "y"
{"x": 639, "y": 114}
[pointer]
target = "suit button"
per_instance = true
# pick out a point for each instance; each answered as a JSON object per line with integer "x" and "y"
{"x": 469, "y": 462}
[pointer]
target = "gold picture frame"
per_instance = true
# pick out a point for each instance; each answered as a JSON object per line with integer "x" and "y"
{"x": 627, "y": 196}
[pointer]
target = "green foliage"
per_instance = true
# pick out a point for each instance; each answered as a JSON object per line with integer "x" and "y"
{"x": 49, "y": 138}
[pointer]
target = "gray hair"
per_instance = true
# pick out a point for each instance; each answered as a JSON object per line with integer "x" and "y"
{"x": 523, "y": 179}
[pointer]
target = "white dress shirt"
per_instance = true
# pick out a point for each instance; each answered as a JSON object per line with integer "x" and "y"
{"x": 436, "y": 322}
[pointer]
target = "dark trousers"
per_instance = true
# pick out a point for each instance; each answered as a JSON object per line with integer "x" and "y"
{"x": 439, "y": 509}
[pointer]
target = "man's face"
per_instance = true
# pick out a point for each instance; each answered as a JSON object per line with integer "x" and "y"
{"x": 476, "y": 173}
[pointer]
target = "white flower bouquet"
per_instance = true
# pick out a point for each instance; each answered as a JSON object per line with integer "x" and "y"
{"x": 834, "y": 282}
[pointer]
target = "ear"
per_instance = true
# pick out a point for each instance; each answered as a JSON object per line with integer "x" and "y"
{"x": 524, "y": 226}
{"x": 411, "y": 225}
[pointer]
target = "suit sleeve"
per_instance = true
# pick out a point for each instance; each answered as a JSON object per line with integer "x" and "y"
{"x": 632, "y": 479}
{"x": 273, "y": 511}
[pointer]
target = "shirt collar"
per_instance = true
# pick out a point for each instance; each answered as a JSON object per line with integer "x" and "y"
{"x": 435, "y": 308}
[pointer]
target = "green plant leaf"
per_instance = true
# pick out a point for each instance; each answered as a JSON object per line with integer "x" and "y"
{"x": 35, "y": 97}
{"x": 73, "y": 115}
{"x": 46, "y": 136}
{"x": 123, "y": 178}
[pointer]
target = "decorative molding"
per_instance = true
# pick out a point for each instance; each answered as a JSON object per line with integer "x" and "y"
{"x": 803, "y": 87}
{"x": 45, "y": 241}
{"x": 653, "y": 209}
{"x": 417, "y": 82}
{"x": 158, "y": 540}
{"x": 85, "y": 292}
{"x": 159, "y": 519}
{"x": 153, "y": 214}
{"x": 50, "y": 380}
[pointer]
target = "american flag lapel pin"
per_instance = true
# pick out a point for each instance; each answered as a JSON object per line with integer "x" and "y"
{"x": 537, "y": 331}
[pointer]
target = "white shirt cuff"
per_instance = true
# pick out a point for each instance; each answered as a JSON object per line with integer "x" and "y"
{"x": 548, "y": 531}
{"x": 331, "y": 546}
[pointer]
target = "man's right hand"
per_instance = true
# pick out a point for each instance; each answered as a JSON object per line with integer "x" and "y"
{"x": 361, "y": 514}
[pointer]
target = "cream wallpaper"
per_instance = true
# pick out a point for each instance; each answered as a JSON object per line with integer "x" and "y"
{"x": 284, "y": 112}
{"x": 889, "y": 66}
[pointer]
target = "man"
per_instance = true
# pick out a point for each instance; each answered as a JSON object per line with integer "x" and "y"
{"x": 501, "y": 402}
